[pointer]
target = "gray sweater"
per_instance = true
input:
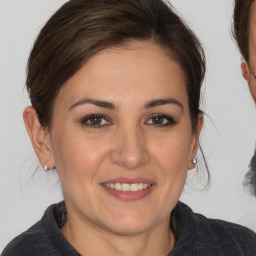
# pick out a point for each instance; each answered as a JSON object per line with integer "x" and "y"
{"x": 195, "y": 236}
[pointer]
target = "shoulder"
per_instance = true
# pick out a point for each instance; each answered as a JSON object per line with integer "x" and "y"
{"x": 36, "y": 240}
{"x": 227, "y": 235}
{"x": 25, "y": 242}
{"x": 249, "y": 219}
{"x": 214, "y": 237}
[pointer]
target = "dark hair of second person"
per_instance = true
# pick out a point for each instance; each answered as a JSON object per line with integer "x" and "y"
{"x": 241, "y": 24}
{"x": 244, "y": 27}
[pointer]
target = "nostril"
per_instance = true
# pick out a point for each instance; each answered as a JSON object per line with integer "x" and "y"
{"x": 130, "y": 150}
{"x": 130, "y": 161}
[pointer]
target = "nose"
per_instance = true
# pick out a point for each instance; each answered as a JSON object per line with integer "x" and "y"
{"x": 130, "y": 150}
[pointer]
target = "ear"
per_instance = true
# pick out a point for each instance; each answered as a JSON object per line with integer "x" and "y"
{"x": 195, "y": 141}
{"x": 250, "y": 78}
{"x": 39, "y": 137}
{"x": 245, "y": 70}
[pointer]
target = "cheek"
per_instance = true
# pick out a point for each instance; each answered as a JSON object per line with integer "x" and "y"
{"x": 174, "y": 165}
{"x": 252, "y": 86}
{"x": 173, "y": 152}
{"x": 171, "y": 158}
{"x": 76, "y": 153}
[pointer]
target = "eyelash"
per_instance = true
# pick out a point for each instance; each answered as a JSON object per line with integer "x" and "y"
{"x": 86, "y": 119}
{"x": 168, "y": 121}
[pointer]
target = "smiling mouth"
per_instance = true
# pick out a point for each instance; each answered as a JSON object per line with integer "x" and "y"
{"x": 127, "y": 187}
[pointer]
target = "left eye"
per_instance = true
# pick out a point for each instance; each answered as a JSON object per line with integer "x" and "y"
{"x": 161, "y": 120}
{"x": 94, "y": 121}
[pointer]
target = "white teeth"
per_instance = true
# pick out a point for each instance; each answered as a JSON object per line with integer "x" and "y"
{"x": 134, "y": 187}
{"x": 141, "y": 186}
{"x": 118, "y": 186}
{"x": 127, "y": 187}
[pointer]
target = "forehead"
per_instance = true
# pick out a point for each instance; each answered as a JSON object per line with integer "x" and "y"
{"x": 138, "y": 70}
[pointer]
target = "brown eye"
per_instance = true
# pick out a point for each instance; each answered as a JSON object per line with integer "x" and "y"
{"x": 161, "y": 120}
{"x": 157, "y": 119}
{"x": 95, "y": 121}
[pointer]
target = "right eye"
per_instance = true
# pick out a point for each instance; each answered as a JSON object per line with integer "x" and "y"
{"x": 160, "y": 120}
{"x": 95, "y": 121}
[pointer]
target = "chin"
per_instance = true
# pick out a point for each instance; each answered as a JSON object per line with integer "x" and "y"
{"x": 131, "y": 224}
{"x": 130, "y": 229}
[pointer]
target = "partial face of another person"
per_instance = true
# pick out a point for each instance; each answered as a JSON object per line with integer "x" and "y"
{"x": 121, "y": 139}
{"x": 249, "y": 69}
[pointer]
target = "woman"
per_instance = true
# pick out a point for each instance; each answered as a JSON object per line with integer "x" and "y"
{"x": 115, "y": 93}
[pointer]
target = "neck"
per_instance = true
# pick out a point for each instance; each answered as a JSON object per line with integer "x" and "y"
{"x": 95, "y": 241}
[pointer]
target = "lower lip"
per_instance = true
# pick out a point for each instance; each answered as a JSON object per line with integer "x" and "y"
{"x": 129, "y": 195}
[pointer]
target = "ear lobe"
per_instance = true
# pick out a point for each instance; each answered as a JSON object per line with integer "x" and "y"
{"x": 39, "y": 137}
{"x": 195, "y": 141}
{"x": 245, "y": 70}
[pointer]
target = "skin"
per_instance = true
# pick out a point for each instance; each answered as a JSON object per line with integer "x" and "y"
{"x": 249, "y": 70}
{"x": 127, "y": 144}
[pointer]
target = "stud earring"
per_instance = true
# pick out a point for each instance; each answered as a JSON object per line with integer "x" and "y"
{"x": 46, "y": 168}
{"x": 194, "y": 161}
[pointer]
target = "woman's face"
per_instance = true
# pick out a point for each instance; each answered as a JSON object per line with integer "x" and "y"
{"x": 121, "y": 139}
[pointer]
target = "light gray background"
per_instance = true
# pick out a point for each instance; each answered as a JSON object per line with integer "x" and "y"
{"x": 228, "y": 138}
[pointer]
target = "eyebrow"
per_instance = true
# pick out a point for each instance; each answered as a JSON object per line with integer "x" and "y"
{"x": 111, "y": 106}
{"x": 98, "y": 103}
{"x": 160, "y": 102}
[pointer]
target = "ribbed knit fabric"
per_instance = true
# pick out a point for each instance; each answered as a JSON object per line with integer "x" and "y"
{"x": 195, "y": 234}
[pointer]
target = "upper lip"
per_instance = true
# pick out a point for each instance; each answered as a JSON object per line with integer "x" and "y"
{"x": 129, "y": 180}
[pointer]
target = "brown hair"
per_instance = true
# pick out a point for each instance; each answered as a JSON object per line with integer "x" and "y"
{"x": 81, "y": 28}
{"x": 241, "y": 22}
